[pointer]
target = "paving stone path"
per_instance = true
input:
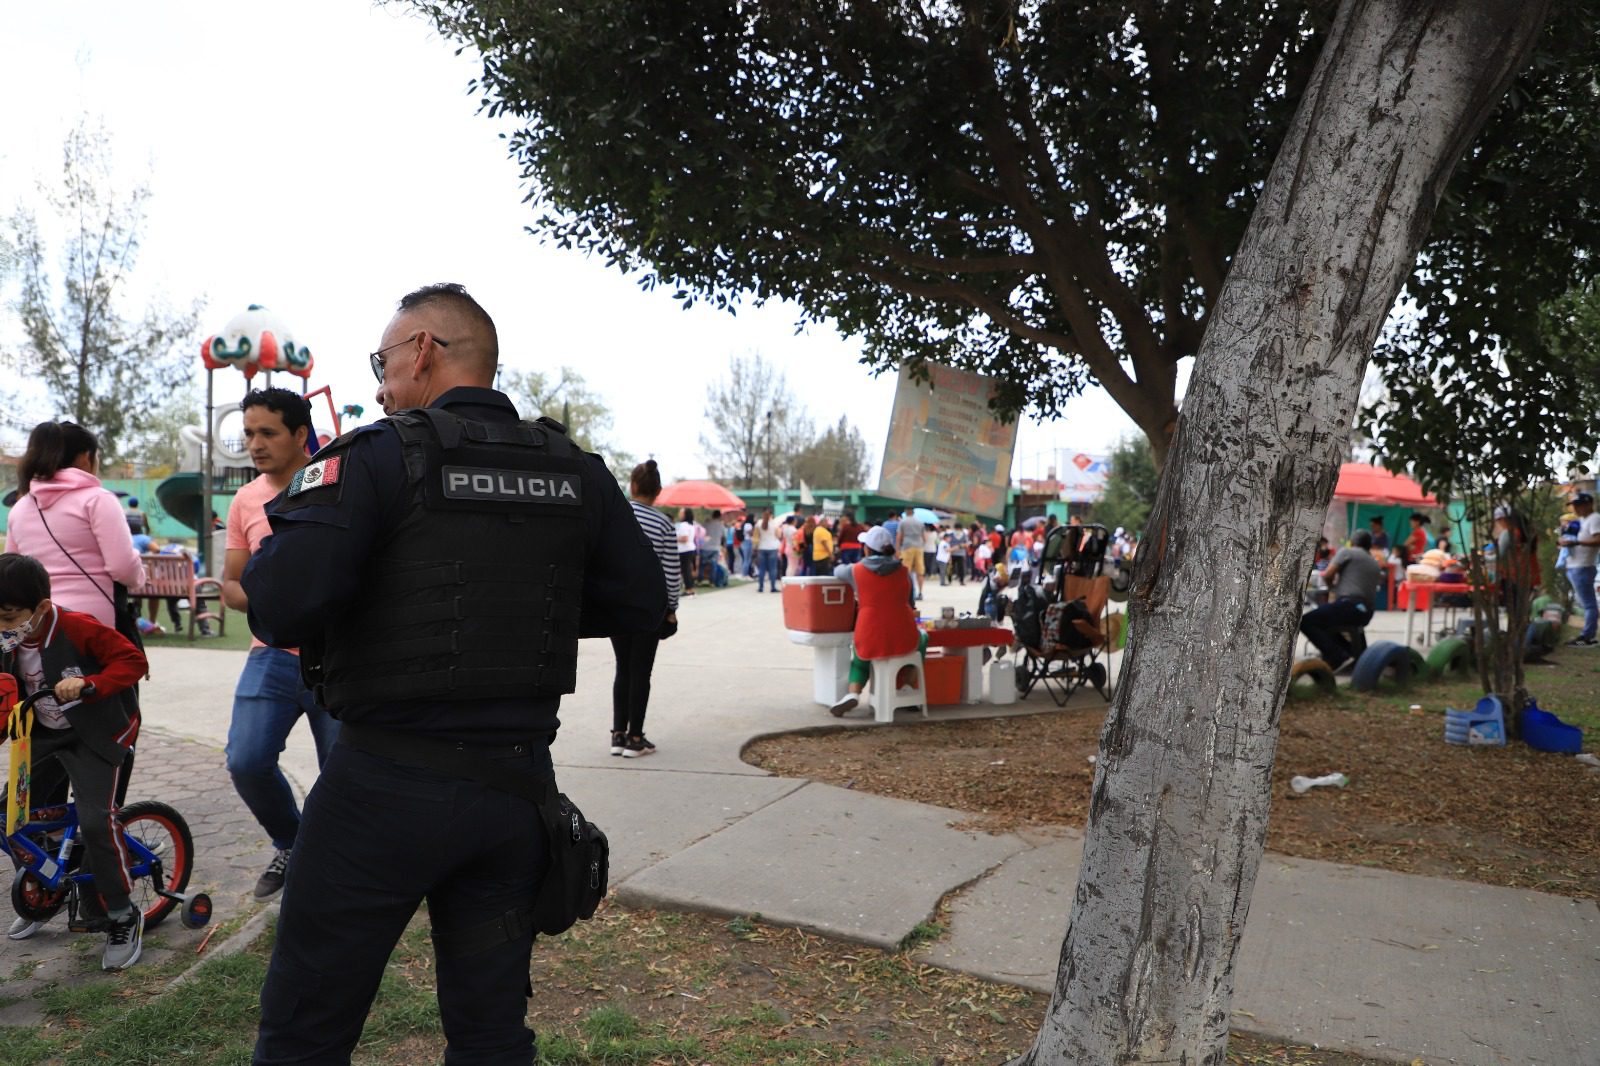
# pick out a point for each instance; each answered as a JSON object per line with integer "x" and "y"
{"x": 230, "y": 851}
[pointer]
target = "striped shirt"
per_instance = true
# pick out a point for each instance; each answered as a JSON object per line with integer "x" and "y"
{"x": 664, "y": 539}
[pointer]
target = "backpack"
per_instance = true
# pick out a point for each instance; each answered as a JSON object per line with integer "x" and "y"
{"x": 1028, "y": 616}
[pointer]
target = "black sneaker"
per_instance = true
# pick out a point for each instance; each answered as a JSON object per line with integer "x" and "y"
{"x": 633, "y": 747}
{"x": 618, "y": 742}
{"x": 124, "y": 942}
{"x": 1582, "y": 642}
{"x": 271, "y": 881}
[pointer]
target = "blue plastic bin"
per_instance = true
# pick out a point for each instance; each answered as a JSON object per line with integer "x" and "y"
{"x": 1545, "y": 731}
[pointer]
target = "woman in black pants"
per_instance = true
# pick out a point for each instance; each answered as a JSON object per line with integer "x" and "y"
{"x": 636, "y": 653}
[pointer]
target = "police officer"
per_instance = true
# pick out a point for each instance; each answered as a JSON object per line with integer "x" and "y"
{"x": 436, "y": 570}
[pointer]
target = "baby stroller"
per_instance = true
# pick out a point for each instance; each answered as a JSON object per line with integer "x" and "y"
{"x": 1063, "y": 642}
{"x": 1076, "y": 550}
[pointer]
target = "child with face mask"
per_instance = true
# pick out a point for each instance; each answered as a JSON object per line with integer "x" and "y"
{"x": 43, "y": 646}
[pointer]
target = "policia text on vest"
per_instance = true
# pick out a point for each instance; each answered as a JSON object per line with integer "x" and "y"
{"x": 510, "y": 486}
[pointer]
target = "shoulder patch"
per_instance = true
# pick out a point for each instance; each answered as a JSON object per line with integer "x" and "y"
{"x": 316, "y": 475}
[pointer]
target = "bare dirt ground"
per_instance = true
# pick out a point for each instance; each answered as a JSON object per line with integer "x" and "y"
{"x": 1503, "y": 816}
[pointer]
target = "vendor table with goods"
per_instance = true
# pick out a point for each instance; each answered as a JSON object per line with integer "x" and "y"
{"x": 972, "y": 642}
{"x": 819, "y": 613}
{"x": 1412, "y": 596}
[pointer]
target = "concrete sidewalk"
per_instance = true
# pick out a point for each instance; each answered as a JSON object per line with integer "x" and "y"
{"x": 1385, "y": 964}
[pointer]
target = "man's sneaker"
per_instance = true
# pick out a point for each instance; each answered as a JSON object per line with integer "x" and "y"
{"x": 618, "y": 742}
{"x": 634, "y": 747}
{"x": 23, "y": 928}
{"x": 124, "y": 942}
{"x": 844, "y": 704}
{"x": 1582, "y": 642}
{"x": 269, "y": 883}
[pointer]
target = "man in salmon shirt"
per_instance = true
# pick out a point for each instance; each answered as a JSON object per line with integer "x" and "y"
{"x": 270, "y": 696}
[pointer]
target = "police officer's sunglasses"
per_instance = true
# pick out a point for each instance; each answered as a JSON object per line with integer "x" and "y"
{"x": 378, "y": 359}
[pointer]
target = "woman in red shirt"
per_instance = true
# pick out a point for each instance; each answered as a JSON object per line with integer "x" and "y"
{"x": 886, "y": 617}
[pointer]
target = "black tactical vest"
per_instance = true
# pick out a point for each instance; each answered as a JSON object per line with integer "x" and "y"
{"x": 477, "y": 593}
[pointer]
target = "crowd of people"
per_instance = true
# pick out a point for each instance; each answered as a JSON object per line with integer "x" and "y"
{"x": 1348, "y": 584}
{"x": 764, "y": 547}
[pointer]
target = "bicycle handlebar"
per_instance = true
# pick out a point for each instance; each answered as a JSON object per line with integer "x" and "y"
{"x": 27, "y": 704}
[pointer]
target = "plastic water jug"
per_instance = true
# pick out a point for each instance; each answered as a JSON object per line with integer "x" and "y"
{"x": 1002, "y": 681}
{"x": 1485, "y": 724}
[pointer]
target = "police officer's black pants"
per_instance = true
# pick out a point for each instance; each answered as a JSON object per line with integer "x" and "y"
{"x": 376, "y": 839}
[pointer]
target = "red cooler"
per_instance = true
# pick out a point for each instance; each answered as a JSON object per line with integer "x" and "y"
{"x": 818, "y": 605}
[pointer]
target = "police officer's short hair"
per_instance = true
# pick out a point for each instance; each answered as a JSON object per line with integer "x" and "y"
{"x": 24, "y": 582}
{"x": 454, "y": 295}
{"x": 290, "y": 406}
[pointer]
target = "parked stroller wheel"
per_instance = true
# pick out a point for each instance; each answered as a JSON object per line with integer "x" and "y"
{"x": 1121, "y": 583}
{"x": 1096, "y": 675}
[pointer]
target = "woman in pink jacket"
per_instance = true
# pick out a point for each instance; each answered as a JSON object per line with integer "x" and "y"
{"x": 67, "y": 521}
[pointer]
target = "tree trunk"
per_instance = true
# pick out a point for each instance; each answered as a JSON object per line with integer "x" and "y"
{"x": 1179, "y": 806}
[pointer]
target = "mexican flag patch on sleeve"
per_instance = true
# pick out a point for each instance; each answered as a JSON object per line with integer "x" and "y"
{"x": 315, "y": 476}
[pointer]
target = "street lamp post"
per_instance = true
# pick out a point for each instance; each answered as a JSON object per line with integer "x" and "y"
{"x": 772, "y": 489}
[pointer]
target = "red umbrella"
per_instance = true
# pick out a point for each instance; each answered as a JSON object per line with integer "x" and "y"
{"x": 1361, "y": 483}
{"x": 707, "y": 494}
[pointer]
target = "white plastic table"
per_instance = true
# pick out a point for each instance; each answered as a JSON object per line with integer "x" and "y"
{"x": 830, "y": 663}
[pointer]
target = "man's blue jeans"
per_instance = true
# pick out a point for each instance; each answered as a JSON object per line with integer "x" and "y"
{"x": 268, "y": 700}
{"x": 1582, "y": 580}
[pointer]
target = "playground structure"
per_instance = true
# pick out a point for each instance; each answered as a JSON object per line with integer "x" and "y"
{"x": 215, "y": 462}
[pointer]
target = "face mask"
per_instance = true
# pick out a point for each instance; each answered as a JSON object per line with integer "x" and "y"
{"x": 11, "y": 639}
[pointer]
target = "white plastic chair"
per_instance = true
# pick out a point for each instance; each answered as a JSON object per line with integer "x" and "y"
{"x": 883, "y": 694}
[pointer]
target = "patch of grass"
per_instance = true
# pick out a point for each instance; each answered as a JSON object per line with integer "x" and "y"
{"x": 237, "y": 637}
{"x": 922, "y": 933}
{"x": 744, "y": 925}
{"x": 24, "y": 1045}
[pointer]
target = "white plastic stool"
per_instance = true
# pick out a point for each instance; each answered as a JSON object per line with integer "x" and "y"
{"x": 885, "y": 697}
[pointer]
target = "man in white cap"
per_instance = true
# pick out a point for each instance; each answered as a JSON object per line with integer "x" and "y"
{"x": 886, "y": 618}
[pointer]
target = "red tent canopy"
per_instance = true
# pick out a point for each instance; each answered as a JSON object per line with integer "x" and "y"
{"x": 1361, "y": 483}
{"x": 699, "y": 494}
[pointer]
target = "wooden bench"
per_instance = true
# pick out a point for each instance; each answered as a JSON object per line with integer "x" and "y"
{"x": 172, "y": 577}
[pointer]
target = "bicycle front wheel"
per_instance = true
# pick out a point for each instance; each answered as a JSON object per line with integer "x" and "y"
{"x": 156, "y": 829}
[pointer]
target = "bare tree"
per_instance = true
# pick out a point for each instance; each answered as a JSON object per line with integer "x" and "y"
{"x": 755, "y": 426}
{"x": 564, "y": 395}
{"x": 105, "y": 371}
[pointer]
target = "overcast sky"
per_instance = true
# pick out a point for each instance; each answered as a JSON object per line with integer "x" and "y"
{"x": 323, "y": 158}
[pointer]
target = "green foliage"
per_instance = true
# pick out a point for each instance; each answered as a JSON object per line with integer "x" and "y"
{"x": 103, "y": 370}
{"x": 1048, "y": 193}
{"x": 156, "y": 445}
{"x": 1130, "y": 487}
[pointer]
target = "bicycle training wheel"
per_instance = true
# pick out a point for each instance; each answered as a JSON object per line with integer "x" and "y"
{"x": 161, "y": 829}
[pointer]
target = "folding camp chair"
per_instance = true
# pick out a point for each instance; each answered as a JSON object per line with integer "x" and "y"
{"x": 1075, "y": 635}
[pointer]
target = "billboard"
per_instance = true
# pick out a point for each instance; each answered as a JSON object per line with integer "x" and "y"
{"x": 1082, "y": 475}
{"x": 946, "y": 449}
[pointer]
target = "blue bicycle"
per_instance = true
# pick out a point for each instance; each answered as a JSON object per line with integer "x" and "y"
{"x": 49, "y": 852}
